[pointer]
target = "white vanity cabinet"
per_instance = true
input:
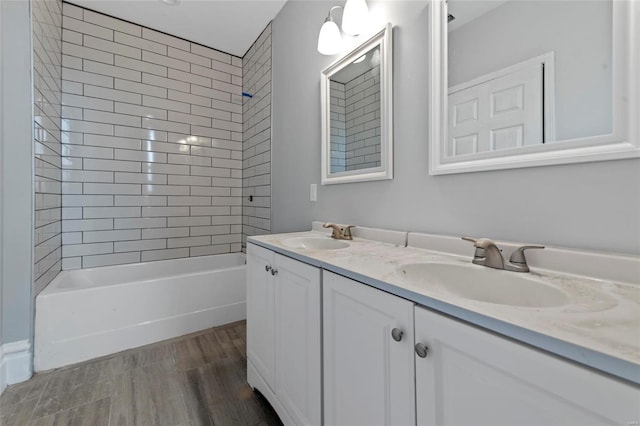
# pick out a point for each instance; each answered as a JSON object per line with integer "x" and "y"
{"x": 368, "y": 355}
{"x": 473, "y": 377}
{"x": 261, "y": 318}
{"x": 284, "y": 334}
{"x": 328, "y": 350}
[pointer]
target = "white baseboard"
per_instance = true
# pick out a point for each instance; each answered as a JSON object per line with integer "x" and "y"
{"x": 15, "y": 363}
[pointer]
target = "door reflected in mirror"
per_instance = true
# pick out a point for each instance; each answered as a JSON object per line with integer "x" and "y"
{"x": 523, "y": 73}
{"x": 355, "y": 114}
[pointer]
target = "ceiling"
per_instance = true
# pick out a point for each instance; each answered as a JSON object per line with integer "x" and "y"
{"x": 228, "y": 25}
{"x": 466, "y": 11}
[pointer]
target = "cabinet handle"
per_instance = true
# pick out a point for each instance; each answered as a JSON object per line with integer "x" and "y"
{"x": 274, "y": 271}
{"x": 421, "y": 350}
{"x": 397, "y": 334}
{"x": 267, "y": 268}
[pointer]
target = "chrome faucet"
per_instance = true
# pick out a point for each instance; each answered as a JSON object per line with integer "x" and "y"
{"x": 488, "y": 254}
{"x": 340, "y": 232}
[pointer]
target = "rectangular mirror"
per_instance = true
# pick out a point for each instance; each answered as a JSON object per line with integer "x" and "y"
{"x": 522, "y": 83}
{"x": 357, "y": 114}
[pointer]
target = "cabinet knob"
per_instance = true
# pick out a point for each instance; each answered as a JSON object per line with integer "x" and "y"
{"x": 274, "y": 271}
{"x": 267, "y": 268}
{"x": 397, "y": 334}
{"x": 421, "y": 350}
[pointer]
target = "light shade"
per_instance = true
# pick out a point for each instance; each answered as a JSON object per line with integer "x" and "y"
{"x": 354, "y": 18}
{"x": 329, "y": 40}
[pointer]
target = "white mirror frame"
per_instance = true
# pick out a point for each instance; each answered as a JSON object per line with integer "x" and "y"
{"x": 623, "y": 142}
{"x": 384, "y": 39}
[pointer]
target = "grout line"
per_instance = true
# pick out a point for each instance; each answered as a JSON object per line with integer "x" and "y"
{"x": 142, "y": 27}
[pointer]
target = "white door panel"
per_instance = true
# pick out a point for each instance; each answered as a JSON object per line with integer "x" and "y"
{"x": 298, "y": 346}
{"x": 497, "y": 113}
{"x": 368, "y": 376}
{"x": 261, "y": 313}
{"x": 472, "y": 377}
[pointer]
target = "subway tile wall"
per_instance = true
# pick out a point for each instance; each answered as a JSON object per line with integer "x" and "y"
{"x": 256, "y": 155}
{"x": 362, "y": 109}
{"x": 152, "y": 144}
{"x": 338, "y": 141}
{"x": 47, "y": 55}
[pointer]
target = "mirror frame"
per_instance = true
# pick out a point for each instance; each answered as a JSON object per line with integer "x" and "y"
{"x": 384, "y": 39}
{"x": 623, "y": 142}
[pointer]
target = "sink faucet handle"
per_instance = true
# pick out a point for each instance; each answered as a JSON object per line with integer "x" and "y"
{"x": 481, "y": 243}
{"x": 472, "y": 240}
{"x": 336, "y": 229}
{"x": 487, "y": 253}
{"x": 517, "y": 256}
{"x": 339, "y": 232}
{"x": 346, "y": 232}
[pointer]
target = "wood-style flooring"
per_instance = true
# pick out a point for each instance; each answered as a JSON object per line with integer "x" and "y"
{"x": 198, "y": 379}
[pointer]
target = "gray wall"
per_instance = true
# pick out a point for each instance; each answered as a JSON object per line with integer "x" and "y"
{"x": 16, "y": 171}
{"x": 578, "y": 32}
{"x": 590, "y": 206}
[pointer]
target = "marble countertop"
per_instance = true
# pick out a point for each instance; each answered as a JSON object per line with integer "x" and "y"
{"x": 599, "y": 327}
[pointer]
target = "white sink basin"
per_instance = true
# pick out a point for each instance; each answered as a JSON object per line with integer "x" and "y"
{"x": 313, "y": 243}
{"x": 485, "y": 284}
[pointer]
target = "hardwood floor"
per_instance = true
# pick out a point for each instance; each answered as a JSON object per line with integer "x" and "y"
{"x": 198, "y": 379}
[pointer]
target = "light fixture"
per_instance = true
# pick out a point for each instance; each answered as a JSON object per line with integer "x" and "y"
{"x": 360, "y": 59}
{"x": 354, "y": 20}
{"x": 171, "y": 2}
{"x": 330, "y": 39}
{"x": 354, "y": 17}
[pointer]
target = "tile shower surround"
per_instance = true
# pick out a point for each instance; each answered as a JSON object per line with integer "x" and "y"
{"x": 338, "y": 126}
{"x": 362, "y": 109}
{"x": 47, "y": 51}
{"x": 355, "y": 122}
{"x": 256, "y": 156}
{"x": 152, "y": 145}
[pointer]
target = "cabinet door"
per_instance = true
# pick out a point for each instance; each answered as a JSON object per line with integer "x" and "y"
{"x": 368, "y": 375}
{"x": 261, "y": 312}
{"x": 473, "y": 377}
{"x": 298, "y": 364}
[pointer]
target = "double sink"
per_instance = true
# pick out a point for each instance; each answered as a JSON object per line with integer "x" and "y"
{"x": 464, "y": 280}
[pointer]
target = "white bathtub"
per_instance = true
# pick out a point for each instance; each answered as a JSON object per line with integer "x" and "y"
{"x": 87, "y": 313}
